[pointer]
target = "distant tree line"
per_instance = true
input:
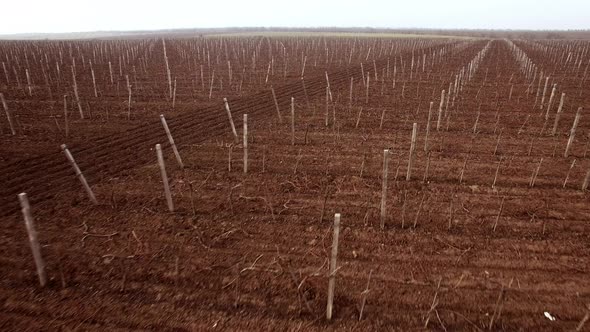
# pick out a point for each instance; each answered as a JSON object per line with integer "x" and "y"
{"x": 482, "y": 33}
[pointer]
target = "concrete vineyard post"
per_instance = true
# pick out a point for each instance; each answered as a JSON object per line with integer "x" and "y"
{"x": 8, "y": 114}
{"x": 382, "y": 119}
{"x": 202, "y": 79}
{"x": 76, "y": 94}
{"x": 305, "y": 94}
{"x": 327, "y": 116}
{"x": 303, "y": 66}
{"x": 558, "y": 115}
{"x": 328, "y": 86}
{"x": 425, "y": 178}
{"x": 535, "y": 174}
{"x": 544, "y": 92}
{"x": 67, "y": 127}
{"x": 476, "y": 121}
{"x": 229, "y": 75}
{"x": 358, "y": 118}
{"x": 497, "y": 171}
{"x": 428, "y": 127}
{"x": 5, "y": 72}
{"x": 412, "y": 151}
{"x": 168, "y": 75}
{"x": 567, "y": 176}
{"x": 292, "y": 121}
{"x": 29, "y": 85}
{"x": 274, "y": 98}
{"x": 572, "y": 133}
{"x": 229, "y": 151}
{"x": 550, "y": 103}
{"x": 211, "y": 84}
{"x": 350, "y": 94}
{"x": 171, "y": 140}
{"x": 174, "y": 95}
{"x": 245, "y": 144}
{"x": 384, "y": 187}
{"x": 363, "y": 73}
{"x": 111, "y": 72}
{"x": 463, "y": 170}
{"x": 498, "y": 141}
{"x": 440, "y": 109}
{"x": 79, "y": 174}
{"x": 34, "y": 242}
{"x": 164, "y": 177}
{"x": 129, "y": 100}
{"x": 586, "y": 181}
{"x": 367, "y": 90}
{"x": 333, "y": 270}
{"x": 499, "y": 213}
{"x": 93, "y": 80}
{"x": 231, "y": 120}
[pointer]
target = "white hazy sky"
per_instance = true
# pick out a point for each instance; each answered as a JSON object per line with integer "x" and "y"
{"x": 19, "y": 16}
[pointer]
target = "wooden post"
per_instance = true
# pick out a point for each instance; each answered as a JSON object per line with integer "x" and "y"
{"x": 428, "y": 127}
{"x": 29, "y": 222}
{"x": 412, "y": 149}
{"x": 384, "y": 187}
{"x": 231, "y": 120}
{"x": 333, "y": 270}
{"x": 292, "y": 121}
{"x": 164, "y": 177}
{"x": 245, "y": 144}
{"x": 79, "y": 174}
{"x": 274, "y": 97}
{"x": 572, "y": 133}
{"x": 171, "y": 140}
{"x": 8, "y": 114}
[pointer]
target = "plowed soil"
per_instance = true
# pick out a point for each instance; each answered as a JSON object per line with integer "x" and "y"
{"x": 475, "y": 250}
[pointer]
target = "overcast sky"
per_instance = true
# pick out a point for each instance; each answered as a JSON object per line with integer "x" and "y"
{"x": 20, "y": 16}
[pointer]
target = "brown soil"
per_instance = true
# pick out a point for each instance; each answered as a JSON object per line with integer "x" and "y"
{"x": 250, "y": 251}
